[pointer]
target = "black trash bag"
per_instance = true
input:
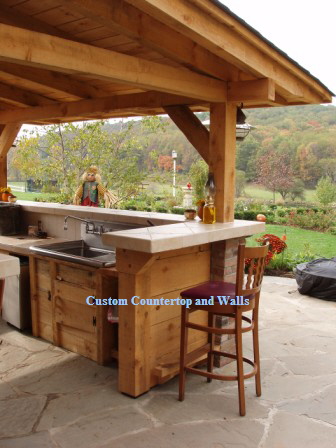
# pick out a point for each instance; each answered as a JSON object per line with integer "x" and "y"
{"x": 317, "y": 278}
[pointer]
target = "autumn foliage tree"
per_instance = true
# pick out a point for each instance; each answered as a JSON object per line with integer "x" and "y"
{"x": 62, "y": 152}
{"x": 275, "y": 173}
{"x": 165, "y": 163}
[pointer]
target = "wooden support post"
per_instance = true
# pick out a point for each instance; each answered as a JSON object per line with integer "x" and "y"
{"x": 8, "y": 134}
{"x": 3, "y": 171}
{"x": 134, "y": 322}
{"x": 222, "y": 157}
{"x": 192, "y": 128}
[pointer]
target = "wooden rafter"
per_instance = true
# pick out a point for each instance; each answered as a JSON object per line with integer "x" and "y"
{"x": 140, "y": 103}
{"x": 53, "y": 53}
{"x": 228, "y": 44}
{"x": 92, "y": 107}
{"x": 22, "y": 97}
{"x": 135, "y": 24}
{"x": 192, "y": 128}
{"x": 13, "y": 17}
{"x": 58, "y": 82}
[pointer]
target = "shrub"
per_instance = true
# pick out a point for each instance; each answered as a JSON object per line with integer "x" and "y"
{"x": 270, "y": 218}
{"x": 326, "y": 191}
{"x": 161, "y": 207}
{"x": 287, "y": 261}
{"x": 311, "y": 220}
{"x": 282, "y": 221}
{"x": 61, "y": 198}
{"x": 281, "y": 213}
{"x": 297, "y": 190}
{"x": 177, "y": 210}
{"x": 239, "y": 214}
{"x": 199, "y": 174}
{"x": 249, "y": 215}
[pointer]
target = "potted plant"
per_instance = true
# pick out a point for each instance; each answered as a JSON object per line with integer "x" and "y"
{"x": 5, "y": 193}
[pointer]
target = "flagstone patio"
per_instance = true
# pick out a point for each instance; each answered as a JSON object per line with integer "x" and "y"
{"x": 53, "y": 398}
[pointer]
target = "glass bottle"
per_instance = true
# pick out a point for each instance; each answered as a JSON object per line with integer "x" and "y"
{"x": 209, "y": 211}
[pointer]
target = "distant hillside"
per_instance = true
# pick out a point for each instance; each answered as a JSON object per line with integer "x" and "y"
{"x": 307, "y": 134}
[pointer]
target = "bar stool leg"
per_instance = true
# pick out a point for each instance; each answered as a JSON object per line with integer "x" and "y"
{"x": 183, "y": 351}
{"x": 211, "y": 340}
{"x": 255, "y": 333}
{"x": 240, "y": 367}
{"x": 2, "y": 287}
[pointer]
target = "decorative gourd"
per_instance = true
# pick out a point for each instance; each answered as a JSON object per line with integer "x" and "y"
{"x": 261, "y": 218}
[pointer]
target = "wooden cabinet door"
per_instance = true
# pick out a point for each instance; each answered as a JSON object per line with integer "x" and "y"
{"x": 75, "y": 322}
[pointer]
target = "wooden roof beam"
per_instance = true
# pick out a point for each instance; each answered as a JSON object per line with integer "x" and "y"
{"x": 22, "y": 97}
{"x": 40, "y": 50}
{"x": 227, "y": 43}
{"x": 58, "y": 82}
{"x": 139, "y": 26}
{"x": 242, "y": 91}
{"x": 192, "y": 128}
{"x": 95, "y": 106}
{"x": 251, "y": 91}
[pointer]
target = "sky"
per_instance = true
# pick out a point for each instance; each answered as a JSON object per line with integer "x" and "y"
{"x": 303, "y": 29}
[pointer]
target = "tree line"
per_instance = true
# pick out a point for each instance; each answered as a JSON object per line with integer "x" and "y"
{"x": 299, "y": 142}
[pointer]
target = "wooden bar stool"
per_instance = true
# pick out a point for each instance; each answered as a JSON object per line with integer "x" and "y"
{"x": 247, "y": 288}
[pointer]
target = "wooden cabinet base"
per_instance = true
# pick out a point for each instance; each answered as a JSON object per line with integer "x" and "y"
{"x": 60, "y": 313}
{"x": 149, "y": 333}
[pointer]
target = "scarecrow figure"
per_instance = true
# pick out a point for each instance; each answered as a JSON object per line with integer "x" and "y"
{"x": 92, "y": 190}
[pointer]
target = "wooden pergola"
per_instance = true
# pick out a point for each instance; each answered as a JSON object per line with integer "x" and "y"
{"x": 71, "y": 60}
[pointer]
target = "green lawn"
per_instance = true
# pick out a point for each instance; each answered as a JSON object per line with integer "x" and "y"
{"x": 29, "y": 196}
{"x": 258, "y": 192}
{"x": 321, "y": 244}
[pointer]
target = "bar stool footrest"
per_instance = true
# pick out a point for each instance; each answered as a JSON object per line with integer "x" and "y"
{"x": 225, "y": 377}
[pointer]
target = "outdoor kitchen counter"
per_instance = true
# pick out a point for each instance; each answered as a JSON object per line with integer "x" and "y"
{"x": 176, "y": 236}
{"x": 154, "y": 265}
{"x": 19, "y": 244}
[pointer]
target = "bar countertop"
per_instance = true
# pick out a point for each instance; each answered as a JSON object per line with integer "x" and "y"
{"x": 176, "y": 236}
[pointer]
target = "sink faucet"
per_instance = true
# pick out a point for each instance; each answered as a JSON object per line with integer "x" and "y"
{"x": 88, "y": 223}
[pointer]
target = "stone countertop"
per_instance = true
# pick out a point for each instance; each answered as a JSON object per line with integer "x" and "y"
{"x": 180, "y": 235}
{"x": 19, "y": 244}
{"x": 101, "y": 214}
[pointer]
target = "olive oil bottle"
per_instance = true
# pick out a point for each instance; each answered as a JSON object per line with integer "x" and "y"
{"x": 209, "y": 211}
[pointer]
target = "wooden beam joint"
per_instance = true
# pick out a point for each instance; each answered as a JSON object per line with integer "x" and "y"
{"x": 192, "y": 128}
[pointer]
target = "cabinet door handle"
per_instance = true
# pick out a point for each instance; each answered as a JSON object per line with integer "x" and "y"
{"x": 49, "y": 296}
{"x": 94, "y": 321}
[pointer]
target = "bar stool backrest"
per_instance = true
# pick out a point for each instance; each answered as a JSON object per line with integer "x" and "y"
{"x": 250, "y": 269}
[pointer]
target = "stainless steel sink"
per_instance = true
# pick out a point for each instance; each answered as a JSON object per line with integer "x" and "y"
{"x": 78, "y": 251}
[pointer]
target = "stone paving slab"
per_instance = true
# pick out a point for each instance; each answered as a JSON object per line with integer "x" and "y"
{"x": 50, "y": 397}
